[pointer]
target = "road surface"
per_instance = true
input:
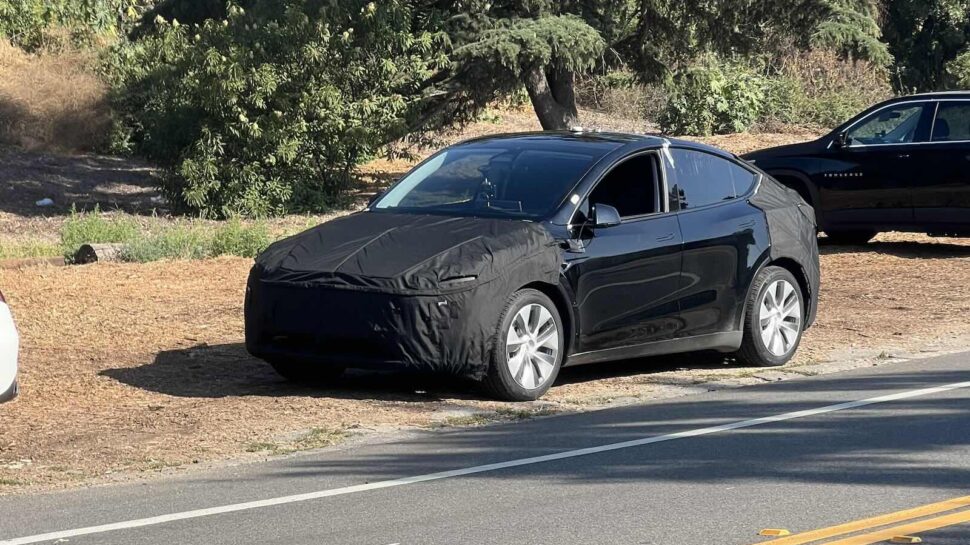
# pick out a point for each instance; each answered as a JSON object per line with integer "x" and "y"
{"x": 818, "y": 457}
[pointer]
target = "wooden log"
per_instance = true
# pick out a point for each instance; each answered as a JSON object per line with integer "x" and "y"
{"x": 92, "y": 253}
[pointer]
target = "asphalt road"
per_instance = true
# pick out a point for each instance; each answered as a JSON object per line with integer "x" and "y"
{"x": 715, "y": 468}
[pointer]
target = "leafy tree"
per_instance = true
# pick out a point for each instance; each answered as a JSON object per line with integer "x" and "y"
{"x": 500, "y": 46}
{"x": 269, "y": 109}
{"x": 926, "y": 37}
{"x": 672, "y": 33}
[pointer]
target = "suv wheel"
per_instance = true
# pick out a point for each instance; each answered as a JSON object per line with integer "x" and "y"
{"x": 773, "y": 319}
{"x": 528, "y": 350}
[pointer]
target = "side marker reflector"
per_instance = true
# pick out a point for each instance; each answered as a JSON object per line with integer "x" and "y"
{"x": 774, "y": 532}
{"x": 905, "y": 539}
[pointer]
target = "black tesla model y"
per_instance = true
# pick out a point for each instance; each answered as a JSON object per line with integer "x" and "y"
{"x": 902, "y": 165}
{"x": 508, "y": 257}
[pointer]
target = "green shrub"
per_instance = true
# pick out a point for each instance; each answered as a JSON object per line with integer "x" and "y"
{"x": 713, "y": 97}
{"x": 818, "y": 88}
{"x": 32, "y": 24}
{"x": 269, "y": 110}
{"x": 95, "y": 228}
{"x": 235, "y": 238}
{"x": 175, "y": 242}
{"x": 27, "y": 249}
{"x": 959, "y": 70}
{"x": 813, "y": 88}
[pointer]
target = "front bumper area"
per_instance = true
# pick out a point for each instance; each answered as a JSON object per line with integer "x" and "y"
{"x": 326, "y": 325}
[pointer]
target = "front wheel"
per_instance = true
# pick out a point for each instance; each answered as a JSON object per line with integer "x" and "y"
{"x": 528, "y": 350}
{"x": 773, "y": 319}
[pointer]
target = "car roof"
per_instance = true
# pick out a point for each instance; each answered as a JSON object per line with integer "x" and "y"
{"x": 937, "y": 94}
{"x": 615, "y": 140}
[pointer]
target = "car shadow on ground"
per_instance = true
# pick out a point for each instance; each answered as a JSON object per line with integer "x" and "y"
{"x": 215, "y": 371}
{"x": 906, "y": 249}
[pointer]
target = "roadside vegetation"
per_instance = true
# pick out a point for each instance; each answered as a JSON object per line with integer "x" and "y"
{"x": 257, "y": 109}
{"x": 153, "y": 240}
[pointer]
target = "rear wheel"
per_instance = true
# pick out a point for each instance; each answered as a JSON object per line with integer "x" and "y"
{"x": 304, "y": 373}
{"x": 528, "y": 349}
{"x": 773, "y": 319}
{"x": 850, "y": 237}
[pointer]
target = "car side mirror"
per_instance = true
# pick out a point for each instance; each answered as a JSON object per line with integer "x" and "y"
{"x": 604, "y": 215}
{"x": 842, "y": 139}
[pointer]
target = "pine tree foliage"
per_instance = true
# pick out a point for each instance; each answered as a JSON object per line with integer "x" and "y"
{"x": 927, "y": 37}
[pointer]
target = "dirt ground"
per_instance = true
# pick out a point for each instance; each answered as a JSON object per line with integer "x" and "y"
{"x": 139, "y": 369}
{"x": 130, "y": 367}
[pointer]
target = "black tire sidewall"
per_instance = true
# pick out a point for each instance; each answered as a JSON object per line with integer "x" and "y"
{"x": 753, "y": 349}
{"x": 499, "y": 379}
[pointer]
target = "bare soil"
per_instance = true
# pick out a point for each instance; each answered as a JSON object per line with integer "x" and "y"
{"x": 131, "y": 370}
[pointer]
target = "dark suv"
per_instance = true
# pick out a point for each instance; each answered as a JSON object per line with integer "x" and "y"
{"x": 902, "y": 165}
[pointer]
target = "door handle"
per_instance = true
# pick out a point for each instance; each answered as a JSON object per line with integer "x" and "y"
{"x": 665, "y": 238}
{"x": 903, "y": 156}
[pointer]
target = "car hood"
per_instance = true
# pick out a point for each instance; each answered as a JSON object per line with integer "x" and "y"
{"x": 393, "y": 252}
{"x": 801, "y": 148}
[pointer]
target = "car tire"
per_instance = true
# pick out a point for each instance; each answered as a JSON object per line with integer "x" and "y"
{"x": 526, "y": 354}
{"x": 305, "y": 373}
{"x": 854, "y": 238}
{"x": 772, "y": 330}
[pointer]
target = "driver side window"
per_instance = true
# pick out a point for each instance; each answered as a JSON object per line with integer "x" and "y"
{"x": 893, "y": 125}
{"x": 631, "y": 187}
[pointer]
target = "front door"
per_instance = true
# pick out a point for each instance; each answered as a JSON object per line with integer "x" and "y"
{"x": 625, "y": 277}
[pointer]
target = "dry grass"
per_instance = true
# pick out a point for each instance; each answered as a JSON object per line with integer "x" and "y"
{"x": 52, "y": 100}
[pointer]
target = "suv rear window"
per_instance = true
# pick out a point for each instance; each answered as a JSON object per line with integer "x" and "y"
{"x": 952, "y": 122}
{"x": 703, "y": 178}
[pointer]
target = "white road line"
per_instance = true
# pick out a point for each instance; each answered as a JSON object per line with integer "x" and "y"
{"x": 282, "y": 500}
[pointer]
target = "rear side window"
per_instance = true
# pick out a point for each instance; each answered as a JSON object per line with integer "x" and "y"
{"x": 702, "y": 178}
{"x": 952, "y": 122}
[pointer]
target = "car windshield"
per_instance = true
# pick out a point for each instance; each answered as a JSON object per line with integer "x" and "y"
{"x": 511, "y": 178}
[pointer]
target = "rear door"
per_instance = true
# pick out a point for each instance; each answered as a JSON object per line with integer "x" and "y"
{"x": 872, "y": 184}
{"x": 625, "y": 277}
{"x": 941, "y": 185}
{"x": 724, "y": 237}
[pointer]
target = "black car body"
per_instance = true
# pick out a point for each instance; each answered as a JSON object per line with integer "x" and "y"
{"x": 663, "y": 263}
{"x": 902, "y": 165}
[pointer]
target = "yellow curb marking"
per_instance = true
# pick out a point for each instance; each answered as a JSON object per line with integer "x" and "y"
{"x": 865, "y": 524}
{"x": 911, "y": 528}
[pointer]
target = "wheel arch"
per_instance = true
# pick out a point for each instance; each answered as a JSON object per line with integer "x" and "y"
{"x": 565, "y": 309}
{"x": 798, "y": 272}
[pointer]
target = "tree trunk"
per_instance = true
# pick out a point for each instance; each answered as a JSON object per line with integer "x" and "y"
{"x": 92, "y": 253}
{"x": 555, "y": 104}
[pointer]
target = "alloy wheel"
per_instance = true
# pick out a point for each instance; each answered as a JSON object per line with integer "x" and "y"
{"x": 780, "y": 317}
{"x": 532, "y": 346}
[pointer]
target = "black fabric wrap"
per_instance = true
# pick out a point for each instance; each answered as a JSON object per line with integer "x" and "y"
{"x": 378, "y": 289}
{"x": 793, "y": 232}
